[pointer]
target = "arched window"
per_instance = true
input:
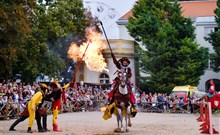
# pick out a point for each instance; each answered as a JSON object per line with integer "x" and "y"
{"x": 216, "y": 82}
{"x": 104, "y": 78}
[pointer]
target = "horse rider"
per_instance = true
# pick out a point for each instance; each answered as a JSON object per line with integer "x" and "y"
{"x": 122, "y": 65}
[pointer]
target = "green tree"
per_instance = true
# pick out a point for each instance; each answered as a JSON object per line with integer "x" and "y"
{"x": 16, "y": 17}
{"x": 40, "y": 42}
{"x": 168, "y": 53}
{"x": 214, "y": 39}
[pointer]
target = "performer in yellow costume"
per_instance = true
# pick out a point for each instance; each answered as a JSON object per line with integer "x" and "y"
{"x": 35, "y": 100}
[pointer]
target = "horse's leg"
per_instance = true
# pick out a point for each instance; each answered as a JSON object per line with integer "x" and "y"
{"x": 126, "y": 123}
{"x": 121, "y": 119}
{"x": 118, "y": 120}
{"x": 129, "y": 121}
{"x": 128, "y": 115}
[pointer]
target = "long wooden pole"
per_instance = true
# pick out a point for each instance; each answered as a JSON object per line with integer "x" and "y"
{"x": 78, "y": 66}
{"x": 106, "y": 37}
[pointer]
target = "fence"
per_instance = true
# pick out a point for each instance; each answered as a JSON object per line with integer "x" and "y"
{"x": 13, "y": 110}
{"x": 175, "y": 108}
{"x": 207, "y": 126}
{"x": 9, "y": 110}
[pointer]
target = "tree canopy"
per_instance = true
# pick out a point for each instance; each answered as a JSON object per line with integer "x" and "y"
{"x": 16, "y": 18}
{"x": 35, "y": 36}
{"x": 168, "y": 51}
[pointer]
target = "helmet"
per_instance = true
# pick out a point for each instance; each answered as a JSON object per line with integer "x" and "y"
{"x": 43, "y": 86}
{"x": 124, "y": 59}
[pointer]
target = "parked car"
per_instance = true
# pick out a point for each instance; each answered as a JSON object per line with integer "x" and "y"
{"x": 183, "y": 91}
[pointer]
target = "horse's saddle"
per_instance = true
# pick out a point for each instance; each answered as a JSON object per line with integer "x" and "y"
{"x": 122, "y": 101}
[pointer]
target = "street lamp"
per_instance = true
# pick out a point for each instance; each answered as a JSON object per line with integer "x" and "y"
{"x": 106, "y": 14}
{"x": 99, "y": 8}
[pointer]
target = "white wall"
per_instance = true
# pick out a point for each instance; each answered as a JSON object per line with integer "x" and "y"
{"x": 91, "y": 76}
{"x": 123, "y": 34}
{"x": 201, "y": 24}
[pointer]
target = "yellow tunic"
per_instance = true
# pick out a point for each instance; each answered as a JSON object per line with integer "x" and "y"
{"x": 35, "y": 100}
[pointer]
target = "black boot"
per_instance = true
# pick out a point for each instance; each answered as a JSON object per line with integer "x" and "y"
{"x": 12, "y": 129}
{"x": 41, "y": 130}
{"x": 20, "y": 119}
{"x": 29, "y": 130}
{"x": 13, "y": 125}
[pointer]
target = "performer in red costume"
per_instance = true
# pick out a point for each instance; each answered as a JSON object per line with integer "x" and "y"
{"x": 55, "y": 96}
{"x": 211, "y": 89}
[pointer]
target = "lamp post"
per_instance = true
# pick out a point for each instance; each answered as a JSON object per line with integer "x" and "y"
{"x": 106, "y": 14}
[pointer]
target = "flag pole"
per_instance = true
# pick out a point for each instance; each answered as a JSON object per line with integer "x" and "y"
{"x": 78, "y": 66}
{"x": 106, "y": 37}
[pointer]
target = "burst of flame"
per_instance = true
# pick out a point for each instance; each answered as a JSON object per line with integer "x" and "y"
{"x": 93, "y": 57}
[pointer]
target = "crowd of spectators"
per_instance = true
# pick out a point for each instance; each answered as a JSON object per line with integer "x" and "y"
{"x": 166, "y": 102}
{"x": 20, "y": 93}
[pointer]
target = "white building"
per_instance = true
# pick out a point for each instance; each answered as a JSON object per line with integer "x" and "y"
{"x": 201, "y": 12}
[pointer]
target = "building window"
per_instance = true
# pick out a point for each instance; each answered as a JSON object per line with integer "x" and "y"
{"x": 104, "y": 78}
{"x": 210, "y": 64}
{"x": 208, "y": 30}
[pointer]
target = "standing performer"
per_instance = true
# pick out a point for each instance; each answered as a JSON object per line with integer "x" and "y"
{"x": 55, "y": 96}
{"x": 34, "y": 102}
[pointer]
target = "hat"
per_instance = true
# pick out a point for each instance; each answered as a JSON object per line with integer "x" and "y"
{"x": 124, "y": 59}
{"x": 43, "y": 85}
{"x": 53, "y": 85}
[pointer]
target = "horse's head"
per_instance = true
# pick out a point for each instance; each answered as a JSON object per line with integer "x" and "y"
{"x": 122, "y": 79}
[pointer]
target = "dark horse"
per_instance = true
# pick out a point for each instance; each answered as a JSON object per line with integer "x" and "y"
{"x": 121, "y": 96}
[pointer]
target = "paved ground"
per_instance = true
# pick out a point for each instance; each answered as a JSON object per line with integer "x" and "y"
{"x": 91, "y": 123}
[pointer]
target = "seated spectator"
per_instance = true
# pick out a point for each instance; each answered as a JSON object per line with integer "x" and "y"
{"x": 1, "y": 102}
{"x": 181, "y": 102}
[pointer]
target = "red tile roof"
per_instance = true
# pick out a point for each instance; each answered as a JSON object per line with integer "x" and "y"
{"x": 198, "y": 8}
{"x": 191, "y": 9}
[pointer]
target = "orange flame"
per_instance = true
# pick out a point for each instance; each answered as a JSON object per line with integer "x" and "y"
{"x": 93, "y": 57}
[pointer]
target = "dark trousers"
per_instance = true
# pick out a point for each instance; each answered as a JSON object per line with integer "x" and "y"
{"x": 44, "y": 119}
{"x": 20, "y": 119}
{"x": 38, "y": 120}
